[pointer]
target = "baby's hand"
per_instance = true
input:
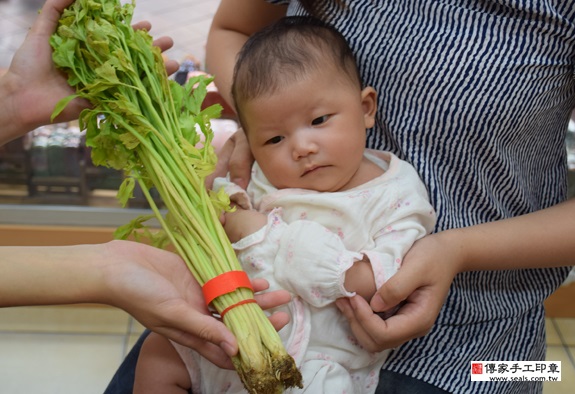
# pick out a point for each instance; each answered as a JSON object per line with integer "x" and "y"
{"x": 359, "y": 279}
{"x": 242, "y": 222}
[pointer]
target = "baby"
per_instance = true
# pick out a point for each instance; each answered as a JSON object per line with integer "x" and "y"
{"x": 322, "y": 216}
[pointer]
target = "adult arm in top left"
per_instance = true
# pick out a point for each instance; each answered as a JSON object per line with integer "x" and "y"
{"x": 32, "y": 86}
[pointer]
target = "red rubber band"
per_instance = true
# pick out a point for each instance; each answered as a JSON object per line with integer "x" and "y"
{"x": 225, "y": 283}
{"x": 242, "y": 302}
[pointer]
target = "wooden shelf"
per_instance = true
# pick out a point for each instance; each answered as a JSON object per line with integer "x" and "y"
{"x": 29, "y": 235}
{"x": 561, "y": 304}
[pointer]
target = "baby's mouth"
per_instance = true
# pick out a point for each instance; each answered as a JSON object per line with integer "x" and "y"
{"x": 311, "y": 169}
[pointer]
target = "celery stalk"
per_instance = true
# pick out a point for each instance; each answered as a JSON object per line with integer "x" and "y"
{"x": 147, "y": 125}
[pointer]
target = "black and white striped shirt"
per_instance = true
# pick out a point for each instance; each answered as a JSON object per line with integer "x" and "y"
{"x": 477, "y": 96}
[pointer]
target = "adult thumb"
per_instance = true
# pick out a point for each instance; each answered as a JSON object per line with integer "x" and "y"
{"x": 392, "y": 294}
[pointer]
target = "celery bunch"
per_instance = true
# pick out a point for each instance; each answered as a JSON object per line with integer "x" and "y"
{"x": 147, "y": 125}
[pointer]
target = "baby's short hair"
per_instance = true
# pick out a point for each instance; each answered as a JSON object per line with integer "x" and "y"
{"x": 287, "y": 50}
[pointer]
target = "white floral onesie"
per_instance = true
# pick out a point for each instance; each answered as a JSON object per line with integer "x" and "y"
{"x": 310, "y": 240}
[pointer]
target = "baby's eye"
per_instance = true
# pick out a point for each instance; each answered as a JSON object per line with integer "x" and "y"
{"x": 274, "y": 140}
{"x": 320, "y": 120}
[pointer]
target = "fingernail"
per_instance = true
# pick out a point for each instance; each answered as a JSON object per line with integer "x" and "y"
{"x": 377, "y": 303}
{"x": 228, "y": 349}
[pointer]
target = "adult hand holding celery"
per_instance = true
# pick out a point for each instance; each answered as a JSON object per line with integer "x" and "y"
{"x": 147, "y": 125}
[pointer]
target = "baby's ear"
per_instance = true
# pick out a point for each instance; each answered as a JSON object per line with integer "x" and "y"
{"x": 369, "y": 105}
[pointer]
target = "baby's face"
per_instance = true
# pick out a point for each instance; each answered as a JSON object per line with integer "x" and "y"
{"x": 310, "y": 134}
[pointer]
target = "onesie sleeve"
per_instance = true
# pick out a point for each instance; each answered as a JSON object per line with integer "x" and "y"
{"x": 302, "y": 257}
{"x": 408, "y": 218}
{"x": 311, "y": 262}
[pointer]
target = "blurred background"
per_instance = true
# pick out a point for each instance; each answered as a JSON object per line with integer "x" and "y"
{"x": 51, "y": 194}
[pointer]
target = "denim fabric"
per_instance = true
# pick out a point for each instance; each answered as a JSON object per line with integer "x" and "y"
{"x": 390, "y": 382}
{"x": 395, "y": 383}
{"x": 123, "y": 380}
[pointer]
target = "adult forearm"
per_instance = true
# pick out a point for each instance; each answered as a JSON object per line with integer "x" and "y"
{"x": 51, "y": 275}
{"x": 540, "y": 239}
{"x": 231, "y": 26}
{"x": 220, "y": 62}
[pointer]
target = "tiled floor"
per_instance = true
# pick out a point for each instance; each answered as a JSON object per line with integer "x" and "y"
{"x": 76, "y": 349}
{"x": 62, "y": 350}
{"x": 561, "y": 347}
